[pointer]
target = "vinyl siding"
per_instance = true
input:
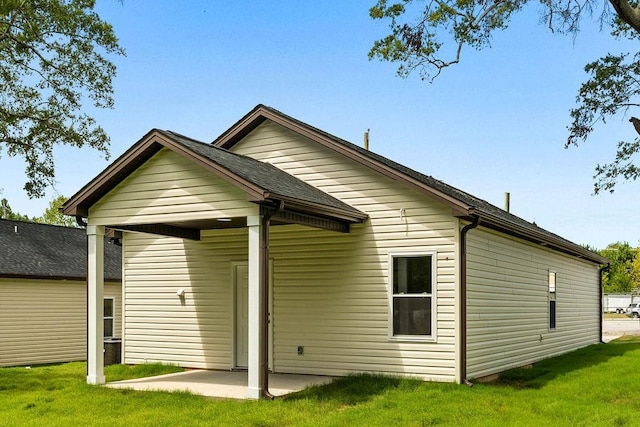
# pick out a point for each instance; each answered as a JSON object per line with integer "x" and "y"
{"x": 169, "y": 187}
{"x": 195, "y": 331}
{"x": 45, "y": 321}
{"x": 508, "y": 303}
{"x": 331, "y": 290}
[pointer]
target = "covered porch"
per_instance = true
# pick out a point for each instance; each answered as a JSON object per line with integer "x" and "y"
{"x": 139, "y": 193}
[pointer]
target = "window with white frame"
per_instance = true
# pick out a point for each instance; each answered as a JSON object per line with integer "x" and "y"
{"x": 412, "y": 297}
{"x": 109, "y": 318}
{"x": 552, "y": 299}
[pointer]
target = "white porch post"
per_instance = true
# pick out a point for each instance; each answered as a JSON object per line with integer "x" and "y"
{"x": 95, "y": 307}
{"x": 254, "y": 223}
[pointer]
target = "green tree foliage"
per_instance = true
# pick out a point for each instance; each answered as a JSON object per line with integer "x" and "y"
{"x": 635, "y": 270}
{"x": 52, "y": 214}
{"x": 7, "y": 213}
{"x": 52, "y": 61}
{"x": 428, "y": 36}
{"x": 623, "y": 275}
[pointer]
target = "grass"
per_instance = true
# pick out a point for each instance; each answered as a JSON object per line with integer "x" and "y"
{"x": 590, "y": 387}
{"x": 615, "y": 316}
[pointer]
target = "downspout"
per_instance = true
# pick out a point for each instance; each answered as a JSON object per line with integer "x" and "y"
{"x": 600, "y": 291}
{"x": 463, "y": 298}
{"x": 81, "y": 222}
{"x": 264, "y": 294}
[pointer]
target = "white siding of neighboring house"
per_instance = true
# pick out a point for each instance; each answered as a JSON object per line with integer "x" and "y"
{"x": 508, "y": 300}
{"x": 45, "y": 321}
{"x": 331, "y": 289}
{"x": 167, "y": 188}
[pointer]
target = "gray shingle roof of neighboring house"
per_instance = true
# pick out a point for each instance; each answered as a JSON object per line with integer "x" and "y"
{"x": 51, "y": 252}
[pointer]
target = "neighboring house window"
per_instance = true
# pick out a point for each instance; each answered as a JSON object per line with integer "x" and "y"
{"x": 552, "y": 299}
{"x": 412, "y": 299}
{"x": 109, "y": 319}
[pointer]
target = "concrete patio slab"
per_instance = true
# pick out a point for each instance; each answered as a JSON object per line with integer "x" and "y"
{"x": 222, "y": 384}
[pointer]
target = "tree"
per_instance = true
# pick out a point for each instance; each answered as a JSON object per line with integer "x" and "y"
{"x": 52, "y": 61}
{"x": 52, "y": 214}
{"x": 428, "y": 36}
{"x": 622, "y": 276}
{"x": 7, "y": 213}
{"x": 635, "y": 270}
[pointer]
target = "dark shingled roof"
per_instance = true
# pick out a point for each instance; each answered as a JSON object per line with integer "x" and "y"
{"x": 262, "y": 174}
{"x": 263, "y": 181}
{"x": 490, "y": 214}
{"x": 49, "y": 251}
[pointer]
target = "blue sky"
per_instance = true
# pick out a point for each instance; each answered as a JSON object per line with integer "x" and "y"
{"x": 494, "y": 123}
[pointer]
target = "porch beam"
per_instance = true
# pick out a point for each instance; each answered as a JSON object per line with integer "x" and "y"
{"x": 290, "y": 217}
{"x": 255, "y": 316}
{"x": 163, "y": 230}
{"x": 95, "y": 304}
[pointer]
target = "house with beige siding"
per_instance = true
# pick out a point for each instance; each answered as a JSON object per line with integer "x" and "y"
{"x": 281, "y": 248}
{"x": 43, "y": 293}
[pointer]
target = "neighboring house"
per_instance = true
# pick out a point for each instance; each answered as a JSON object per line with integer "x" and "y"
{"x": 279, "y": 242}
{"x": 43, "y": 293}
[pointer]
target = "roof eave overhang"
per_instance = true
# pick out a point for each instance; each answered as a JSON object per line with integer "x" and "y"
{"x": 304, "y": 206}
{"x": 542, "y": 239}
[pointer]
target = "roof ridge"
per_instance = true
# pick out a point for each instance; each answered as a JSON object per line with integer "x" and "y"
{"x": 208, "y": 145}
{"x": 369, "y": 153}
{"x": 469, "y": 203}
{"x": 181, "y": 135}
{"x": 396, "y": 165}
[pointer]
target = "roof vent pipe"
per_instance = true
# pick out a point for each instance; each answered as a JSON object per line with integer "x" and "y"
{"x": 507, "y": 201}
{"x": 366, "y": 140}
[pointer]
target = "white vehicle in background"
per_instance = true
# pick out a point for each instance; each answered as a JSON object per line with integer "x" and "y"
{"x": 633, "y": 310}
{"x": 618, "y": 303}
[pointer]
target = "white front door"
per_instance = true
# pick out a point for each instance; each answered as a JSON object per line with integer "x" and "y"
{"x": 242, "y": 315}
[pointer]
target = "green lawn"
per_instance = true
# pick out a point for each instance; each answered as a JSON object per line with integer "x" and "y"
{"x": 593, "y": 386}
{"x": 615, "y": 316}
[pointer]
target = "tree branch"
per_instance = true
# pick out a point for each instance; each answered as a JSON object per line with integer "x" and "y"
{"x": 627, "y": 13}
